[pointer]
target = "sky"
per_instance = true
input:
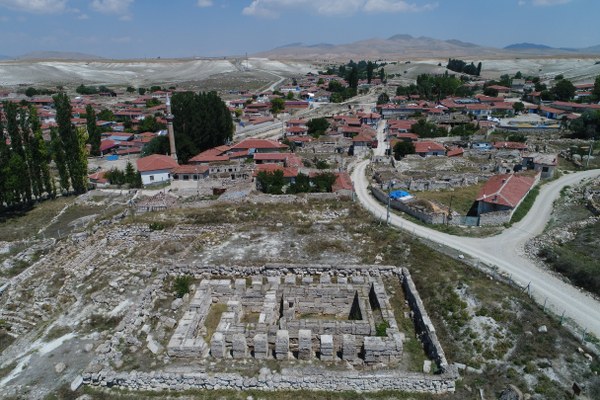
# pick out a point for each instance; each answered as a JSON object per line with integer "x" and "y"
{"x": 212, "y": 28}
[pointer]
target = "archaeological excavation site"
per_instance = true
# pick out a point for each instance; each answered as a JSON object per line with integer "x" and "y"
{"x": 314, "y": 327}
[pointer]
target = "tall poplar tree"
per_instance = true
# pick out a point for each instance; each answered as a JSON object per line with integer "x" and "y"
{"x": 70, "y": 138}
{"x": 92, "y": 130}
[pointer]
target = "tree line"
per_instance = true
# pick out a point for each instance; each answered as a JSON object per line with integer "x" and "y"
{"x": 274, "y": 182}
{"x": 25, "y": 157}
{"x": 435, "y": 87}
{"x": 201, "y": 121}
{"x": 461, "y": 66}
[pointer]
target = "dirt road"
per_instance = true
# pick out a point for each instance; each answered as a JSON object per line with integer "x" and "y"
{"x": 506, "y": 250}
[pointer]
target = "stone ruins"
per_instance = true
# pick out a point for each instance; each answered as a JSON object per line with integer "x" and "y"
{"x": 327, "y": 327}
{"x": 291, "y": 316}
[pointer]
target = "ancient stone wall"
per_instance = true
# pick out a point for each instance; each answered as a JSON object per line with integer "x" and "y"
{"x": 423, "y": 323}
{"x": 298, "y": 379}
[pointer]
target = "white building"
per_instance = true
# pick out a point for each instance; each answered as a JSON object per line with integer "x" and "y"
{"x": 156, "y": 168}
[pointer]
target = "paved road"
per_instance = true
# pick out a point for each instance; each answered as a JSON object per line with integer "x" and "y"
{"x": 506, "y": 250}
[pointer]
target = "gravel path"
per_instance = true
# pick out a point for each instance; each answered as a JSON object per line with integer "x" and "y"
{"x": 506, "y": 251}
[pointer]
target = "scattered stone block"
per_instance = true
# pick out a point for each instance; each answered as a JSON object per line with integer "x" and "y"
{"x": 543, "y": 329}
{"x": 77, "y": 382}
{"x": 154, "y": 346}
{"x": 427, "y": 366}
{"x": 60, "y": 367}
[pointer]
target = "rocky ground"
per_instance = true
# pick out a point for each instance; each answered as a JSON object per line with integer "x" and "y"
{"x": 101, "y": 292}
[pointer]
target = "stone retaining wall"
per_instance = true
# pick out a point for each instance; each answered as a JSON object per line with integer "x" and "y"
{"x": 297, "y": 379}
{"x": 423, "y": 322}
{"x": 428, "y": 218}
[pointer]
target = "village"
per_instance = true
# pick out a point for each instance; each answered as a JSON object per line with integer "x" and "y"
{"x": 494, "y": 148}
{"x": 246, "y": 265}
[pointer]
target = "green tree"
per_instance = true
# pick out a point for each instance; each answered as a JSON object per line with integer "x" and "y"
{"x": 158, "y": 145}
{"x": 596, "y": 90}
{"x": 492, "y": 92}
{"x": 427, "y": 129}
{"x": 301, "y": 185}
{"x": 370, "y": 68}
{"x": 130, "y": 89}
{"x": 324, "y": 181}
{"x": 383, "y": 98}
{"x": 60, "y": 159}
{"x": 402, "y": 149}
{"x": 271, "y": 182}
{"x": 152, "y": 102}
{"x": 587, "y": 126}
{"x": 94, "y": 135}
{"x": 30, "y": 92}
{"x": 141, "y": 91}
{"x": 86, "y": 90}
{"x": 518, "y": 107}
{"x": 71, "y": 140}
{"x": 131, "y": 175}
{"x": 352, "y": 78}
{"x": 563, "y": 90}
{"x": 202, "y": 121}
{"x": 290, "y": 96}
{"x": 317, "y": 126}
{"x": 150, "y": 124}
{"x": 382, "y": 75}
{"x": 277, "y": 105}
{"x": 106, "y": 115}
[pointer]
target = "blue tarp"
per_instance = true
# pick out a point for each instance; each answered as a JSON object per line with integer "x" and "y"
{"x": 113, "y": 157}
{"x": 398, "y": 194}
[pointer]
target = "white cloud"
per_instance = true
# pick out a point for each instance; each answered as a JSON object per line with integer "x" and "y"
{"x": 396, "y": 6}
{"x": 205, "y": 3}
{"x": 35, "y": 6}
{"x": 273, "y": 8}
{"x": 119, "y": 7}
{"x": 549, "y": 2}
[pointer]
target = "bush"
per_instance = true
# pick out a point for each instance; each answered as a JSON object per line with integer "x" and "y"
{"x": 181, "y": 285}
{"x": 381, "y": 328}
{"x": 156, "y": 226}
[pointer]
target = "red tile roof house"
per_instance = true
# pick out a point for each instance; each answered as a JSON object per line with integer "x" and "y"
{"x": 190, "y": 172}
{"x": 343, "y": 185}
{"x": 501, "y": 195}
{"x": 429, "y": 148}
{"x": 156, "y": 168}
{"x": 98, "y": 179}
{"x": 289, "y": 173}
{"x": 252, "y": 146}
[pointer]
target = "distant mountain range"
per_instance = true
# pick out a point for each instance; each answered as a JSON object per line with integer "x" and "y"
{"x": 404, "y": 45}
{"x": 53, "y": 55}
{"x": 58, "y": 55}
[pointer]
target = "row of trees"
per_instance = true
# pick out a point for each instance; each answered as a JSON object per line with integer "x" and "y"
{"x": 435, "y": 87}
{"x": 202, "y": 121}
{"x": 461, "y": 66}
{"x": 25, "y": 157}
{"x": 274, "y": 182}
{"x": 129, "y": 177}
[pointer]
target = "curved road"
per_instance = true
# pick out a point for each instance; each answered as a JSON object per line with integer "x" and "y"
{"x": 506, "y": 250}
